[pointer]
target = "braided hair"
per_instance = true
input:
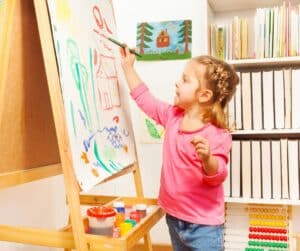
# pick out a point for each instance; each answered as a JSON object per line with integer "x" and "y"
{"x": 221, "y": 79}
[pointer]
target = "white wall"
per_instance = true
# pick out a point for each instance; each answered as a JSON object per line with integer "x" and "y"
{"x": 37, "y": 204}
{"x": 42, "y": 203}
{"x": 160, "y": 76}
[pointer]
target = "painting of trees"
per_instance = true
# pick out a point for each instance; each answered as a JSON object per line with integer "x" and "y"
{"x": 144, "y": 35}
{"x": 185, "y": 34}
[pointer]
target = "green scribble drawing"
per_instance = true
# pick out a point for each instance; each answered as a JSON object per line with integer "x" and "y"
{"x": 97, "y": 155}
{"x": 73, "y": 119}
{"x": 114, "y": 166}
{"x": 80, "y": 77}
{"x": 153, "y": 132}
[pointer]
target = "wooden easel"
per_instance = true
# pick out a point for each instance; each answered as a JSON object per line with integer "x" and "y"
{"x": 35, "y": 145}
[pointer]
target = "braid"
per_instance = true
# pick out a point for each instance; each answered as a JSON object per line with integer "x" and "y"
{"x": 222, "y": 80}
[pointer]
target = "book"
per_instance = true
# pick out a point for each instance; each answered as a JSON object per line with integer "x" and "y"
{"x": 244, "y": 38}
{"x": 227, "y": 182}
{"x": 284, "y": 169}
{"x": 256, "y": 169}
{"x": 266, "y": 169}
{"x": 257, "y": 100}
{"x": 293, "y": 163}
{"x": 279, "y": 98}
{"x": 236, "y": 169}
{"x": 246, "y": 101}
{"x": 276, "y": 169}
{"x": 231, "y": 113}
{"x": 295, "y": 98}
{"x": 236, "y": 38}
{"x": 246, "y": 169}
{"x": 268, "y": 107}
{"x": 212, "y": 38}
{"x": 287, "y": 73}
{"x": 220, "y": 46}
{"x": 238, "y": 104}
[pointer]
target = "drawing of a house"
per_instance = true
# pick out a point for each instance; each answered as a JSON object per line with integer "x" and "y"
{"x": 163, "y": 39}
{"x": 108, "y": 83}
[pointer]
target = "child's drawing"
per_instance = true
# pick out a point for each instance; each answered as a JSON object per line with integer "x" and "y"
{"x": 164, "y": 40}
{"x": 93, "y": 89}
{"x": 151, "y": 132}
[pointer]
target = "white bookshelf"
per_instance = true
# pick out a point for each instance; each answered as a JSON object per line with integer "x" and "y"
{"x": 266, "y": 134}
{"x": 262, "y": 201}
{"x": 240, "y": 5}
{"x": 265, "y": 62}
{"x": 222, "y": 12}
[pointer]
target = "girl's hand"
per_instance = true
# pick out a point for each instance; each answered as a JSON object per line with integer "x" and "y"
{"x": 202, "y": 148}
{"x": 127, "y": 58}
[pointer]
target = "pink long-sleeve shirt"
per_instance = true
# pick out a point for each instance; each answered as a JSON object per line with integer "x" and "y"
{"x": 186, "y": 192}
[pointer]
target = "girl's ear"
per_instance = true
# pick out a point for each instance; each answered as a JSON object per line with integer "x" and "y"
{"x": 205, "y": 96}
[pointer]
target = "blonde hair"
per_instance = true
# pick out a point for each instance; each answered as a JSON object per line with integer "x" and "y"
{"x": 222, "y": 80}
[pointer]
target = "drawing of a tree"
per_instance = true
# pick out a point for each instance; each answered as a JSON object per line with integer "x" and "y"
{"x": 144, "y": 35}
{"x": 185, "y": 34}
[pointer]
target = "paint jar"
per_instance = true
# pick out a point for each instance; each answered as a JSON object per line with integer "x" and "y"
{"x": 119, "y": 219}
{"x": 135, "y": 216}
{"x": 141, "y": 209}
{"x": 132, "y": 222}
{"x": 101, "y": 220}
{"x": 119, "y": 206}
{"x": 128, "y": 210}
{"x": 125, "y": 227}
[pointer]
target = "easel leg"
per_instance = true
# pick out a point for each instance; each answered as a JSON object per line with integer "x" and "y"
{"x": 69, "y": 222}
{"x": 147, "y": 242}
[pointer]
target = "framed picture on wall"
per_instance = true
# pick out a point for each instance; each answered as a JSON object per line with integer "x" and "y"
{"x": 166, "y": 40}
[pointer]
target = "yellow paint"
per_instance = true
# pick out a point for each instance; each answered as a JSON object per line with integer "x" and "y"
{"x": 125, "y": 147}
{"x": 62, "y": 10}
{"x": 85, "y": 158}
{"x": 95, "y": 172}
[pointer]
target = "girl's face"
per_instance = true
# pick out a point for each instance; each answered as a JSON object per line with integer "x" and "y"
{"x": 188, "y": 86}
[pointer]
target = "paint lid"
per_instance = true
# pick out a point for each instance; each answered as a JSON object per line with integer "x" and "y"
{"x": 101, "y": 212}
{"x": 117, "y": 204}
{"x": 140, "y": 207}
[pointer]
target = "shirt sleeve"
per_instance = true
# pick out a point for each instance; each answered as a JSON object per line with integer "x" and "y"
{"x": 153, "y": 107}
{"x": 220, "y": 150}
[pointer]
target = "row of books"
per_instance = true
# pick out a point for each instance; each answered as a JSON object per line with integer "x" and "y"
{"x": 229, "y": 41}
{"x": 266, "y": 100}
{"x": 276, "y": 31}
{"x": 263, "y": 169}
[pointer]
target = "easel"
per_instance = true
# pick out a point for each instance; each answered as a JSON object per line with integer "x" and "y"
{"x": 27, "y": 125}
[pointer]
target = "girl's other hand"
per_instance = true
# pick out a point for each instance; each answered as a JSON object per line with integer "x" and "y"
{"x": 202, "y": 147}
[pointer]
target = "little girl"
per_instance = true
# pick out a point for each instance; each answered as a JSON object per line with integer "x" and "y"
{"x": 195, "y": 149}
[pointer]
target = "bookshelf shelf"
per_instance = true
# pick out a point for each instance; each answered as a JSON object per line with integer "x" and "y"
{"x": 238, "y": 5}
{"x": 262, "y": 201}
{"x": 240, "y": 64}
{"x": 267, "y": 134}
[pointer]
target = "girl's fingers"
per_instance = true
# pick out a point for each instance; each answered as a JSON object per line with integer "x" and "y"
{"x": 198, "y": 139}
{"x": 122, "y": 51}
